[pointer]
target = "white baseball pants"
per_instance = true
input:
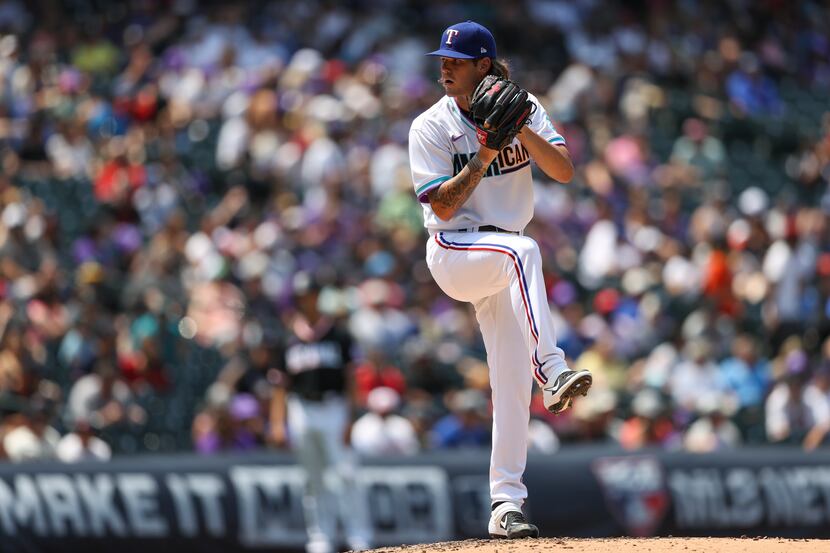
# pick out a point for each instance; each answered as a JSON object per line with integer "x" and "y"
{"x": 316, "y": 430}
{"x": 501, "y": 275}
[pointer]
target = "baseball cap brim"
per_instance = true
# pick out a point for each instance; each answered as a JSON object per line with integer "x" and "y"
{"x": 444, "y": 53}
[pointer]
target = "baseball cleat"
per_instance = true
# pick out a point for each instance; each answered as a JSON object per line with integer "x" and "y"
{"x": 567, "y": 385}
{"x": 511, "y": 524}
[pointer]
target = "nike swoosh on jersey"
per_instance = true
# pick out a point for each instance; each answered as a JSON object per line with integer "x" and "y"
{"x": 454, "y": 138}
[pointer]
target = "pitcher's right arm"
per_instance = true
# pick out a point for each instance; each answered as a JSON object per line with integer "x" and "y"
{"x": 448, "y": 198}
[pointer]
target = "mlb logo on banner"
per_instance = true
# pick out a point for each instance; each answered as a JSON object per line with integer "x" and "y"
{"x": 635, "y": 492}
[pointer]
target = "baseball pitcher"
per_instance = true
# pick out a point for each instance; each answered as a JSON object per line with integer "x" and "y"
{"x": 470, "y": 157}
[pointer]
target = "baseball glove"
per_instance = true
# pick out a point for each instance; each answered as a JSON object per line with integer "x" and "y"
{"x": 500, "y": 108}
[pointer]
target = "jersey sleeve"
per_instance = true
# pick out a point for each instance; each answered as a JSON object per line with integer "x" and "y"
{"x": 347, "y": 346}
{"x": 430, "y": 162}
{"x": 541, "y": 124}
{"x": 280, "y": 376}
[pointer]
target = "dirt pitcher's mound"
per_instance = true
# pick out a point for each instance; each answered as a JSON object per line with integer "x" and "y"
{"x": 620, "y": 545}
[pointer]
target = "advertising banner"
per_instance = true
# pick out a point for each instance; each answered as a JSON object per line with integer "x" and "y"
{"x": 255, "y": 502}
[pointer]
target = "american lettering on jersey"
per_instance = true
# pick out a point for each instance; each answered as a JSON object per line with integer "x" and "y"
{"x": 511, "y": 158}
{"x": 442, "y": 142}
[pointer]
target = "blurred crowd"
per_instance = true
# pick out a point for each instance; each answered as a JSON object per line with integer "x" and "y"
{"x": 169, "y": 168}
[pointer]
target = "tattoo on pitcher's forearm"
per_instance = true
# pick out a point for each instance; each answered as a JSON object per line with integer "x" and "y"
{"x": 453, "y": 193}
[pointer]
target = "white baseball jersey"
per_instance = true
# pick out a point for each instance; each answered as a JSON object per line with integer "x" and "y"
{"x": 441, "y": 142}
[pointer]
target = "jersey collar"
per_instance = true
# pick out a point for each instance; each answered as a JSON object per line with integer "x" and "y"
{"x": 463, "y": 115}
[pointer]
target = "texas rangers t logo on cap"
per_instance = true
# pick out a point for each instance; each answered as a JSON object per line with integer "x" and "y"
{"x": 467, "y": 40}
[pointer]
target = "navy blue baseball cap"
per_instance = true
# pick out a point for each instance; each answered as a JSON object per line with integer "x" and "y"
{"x": 466, "y": 41}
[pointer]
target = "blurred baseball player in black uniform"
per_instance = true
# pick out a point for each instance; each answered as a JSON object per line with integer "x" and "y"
{"x": 311, "y": 412}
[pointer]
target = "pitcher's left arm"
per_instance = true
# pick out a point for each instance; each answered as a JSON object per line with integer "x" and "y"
{"x": 552, "y": 158}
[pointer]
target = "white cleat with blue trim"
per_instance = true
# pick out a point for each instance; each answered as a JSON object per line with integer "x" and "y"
{"x": 567, "y": 385}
